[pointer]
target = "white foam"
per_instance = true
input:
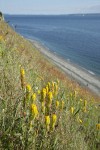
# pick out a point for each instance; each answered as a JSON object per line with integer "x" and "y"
{"x": 91, "y": 72}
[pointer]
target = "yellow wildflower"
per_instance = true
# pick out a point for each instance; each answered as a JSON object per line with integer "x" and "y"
{"x": 28, "y": 88}
{"x": 50, "y": 97}
{"x": 54, "y": 120}
{"x": 34, "y": 110}
{"x": 28, "y": 91}
{"x": 43, "y": 94}
{"x": 34, "y": 96}
{"x": 47, "y": 122}
{"x": 22, "y": 71}
{"x": 57, "y": 104}
{"x": 98, "y": 126}
{"x": 72, "y": 110}
{"x": 38, "y": 92}
{"x": 22, "y": 77}
{"x": 47, "y": 90}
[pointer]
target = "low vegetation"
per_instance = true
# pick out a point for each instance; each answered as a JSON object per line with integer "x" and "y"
{"x": 40, "y": 108}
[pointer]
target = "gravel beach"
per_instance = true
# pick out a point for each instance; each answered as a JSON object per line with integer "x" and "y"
{"x": 81, "y": 75}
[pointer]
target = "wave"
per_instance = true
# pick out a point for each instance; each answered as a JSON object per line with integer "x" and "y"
{"x": 91, "y": 72}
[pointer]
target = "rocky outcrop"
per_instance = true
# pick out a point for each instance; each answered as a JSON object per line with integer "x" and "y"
{"x": 1, "y": 16}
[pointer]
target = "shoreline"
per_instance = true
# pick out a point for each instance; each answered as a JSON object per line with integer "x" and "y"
{"x": 81, "y": 75}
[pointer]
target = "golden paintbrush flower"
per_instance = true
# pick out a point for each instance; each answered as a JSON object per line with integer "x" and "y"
{"x": 50, "y": 97}
{"x": 47, "y": 122}
{"x": 34, "y": 111}
{"x": 22, "y": 77}
{"x": 38, "y": 92}
{"x": 54, "y": 120}
{"x": 28, "y": 91}
{"x": 28, "y": 88}
{"x": 33, "y": 96}
{"x": 57, "y": 104}
{"x": 22, "y": 71}
{"x": 98, "y": 126}
{"x": 43, "y": 94}
{"x": 72, "y": 110}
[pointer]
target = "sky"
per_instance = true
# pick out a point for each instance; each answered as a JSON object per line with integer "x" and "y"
{"x": 49, "y": 6}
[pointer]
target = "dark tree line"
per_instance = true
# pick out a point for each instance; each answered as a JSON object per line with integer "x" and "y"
{"x": 1, "y": 16}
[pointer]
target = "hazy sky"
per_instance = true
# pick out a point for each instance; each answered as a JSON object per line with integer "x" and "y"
{"x": 49, "y": 6}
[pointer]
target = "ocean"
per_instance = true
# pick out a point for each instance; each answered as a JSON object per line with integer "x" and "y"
{"x": 75, "y": 38}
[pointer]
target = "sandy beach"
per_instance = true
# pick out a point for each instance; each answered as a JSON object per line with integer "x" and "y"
{"x": 81, "y": 75}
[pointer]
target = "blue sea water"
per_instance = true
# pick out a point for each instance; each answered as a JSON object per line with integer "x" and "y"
{"x": 73, "y": 37}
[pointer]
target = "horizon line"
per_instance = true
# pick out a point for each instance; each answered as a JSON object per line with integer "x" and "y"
{"x": 52, "y": 14}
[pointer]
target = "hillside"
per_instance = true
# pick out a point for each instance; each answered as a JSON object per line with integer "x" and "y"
{"x": 40, "y": 106}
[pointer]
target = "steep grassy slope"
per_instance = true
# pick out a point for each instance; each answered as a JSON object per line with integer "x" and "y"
{"x": 40, "y": 107}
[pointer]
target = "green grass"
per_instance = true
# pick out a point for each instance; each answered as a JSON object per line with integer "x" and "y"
{"x": 78, "y": 122}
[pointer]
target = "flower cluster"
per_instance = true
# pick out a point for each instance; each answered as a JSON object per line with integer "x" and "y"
{"x": 22, "y": 77}
{"x": 44, "y": 103}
